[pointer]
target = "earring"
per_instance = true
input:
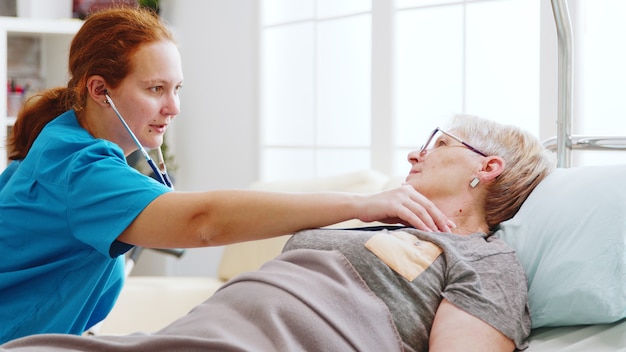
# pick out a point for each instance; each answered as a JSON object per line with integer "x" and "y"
{"x": 474, "y": 182}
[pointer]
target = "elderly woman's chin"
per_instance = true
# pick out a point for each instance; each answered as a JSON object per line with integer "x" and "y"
{"x": 412, "y": 178}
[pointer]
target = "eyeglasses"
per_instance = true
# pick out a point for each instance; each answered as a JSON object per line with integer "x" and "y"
{"x": 426, "y": 146}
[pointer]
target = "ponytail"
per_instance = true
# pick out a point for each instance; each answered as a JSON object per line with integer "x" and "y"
{"x": 37, "y": 111}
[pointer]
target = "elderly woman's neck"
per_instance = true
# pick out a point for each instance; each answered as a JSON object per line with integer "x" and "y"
{"x": 467, "y": 215}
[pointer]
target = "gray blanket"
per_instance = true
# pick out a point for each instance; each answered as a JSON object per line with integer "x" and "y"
{"x": 305, "y": 300}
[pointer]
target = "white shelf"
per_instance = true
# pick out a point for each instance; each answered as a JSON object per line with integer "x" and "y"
{"x": 56, "y": 35}
{"x": 39, "y": 26}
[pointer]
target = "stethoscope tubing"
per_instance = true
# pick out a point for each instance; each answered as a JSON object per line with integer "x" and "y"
{"x": 161, "y": 175}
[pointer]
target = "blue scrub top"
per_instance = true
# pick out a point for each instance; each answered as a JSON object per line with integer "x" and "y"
{"x": 61, "y": 210}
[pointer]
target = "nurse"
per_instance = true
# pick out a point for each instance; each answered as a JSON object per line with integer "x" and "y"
{"x": 70, "y": 206}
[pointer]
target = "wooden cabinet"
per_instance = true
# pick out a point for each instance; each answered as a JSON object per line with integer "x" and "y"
{"x": 33, "y": 53}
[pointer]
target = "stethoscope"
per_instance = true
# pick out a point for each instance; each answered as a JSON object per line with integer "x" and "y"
{"x": 162, "y": 177}
{"x": 161, "y": 171}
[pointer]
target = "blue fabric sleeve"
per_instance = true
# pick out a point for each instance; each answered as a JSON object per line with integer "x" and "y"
{"x": 105, "y": 195}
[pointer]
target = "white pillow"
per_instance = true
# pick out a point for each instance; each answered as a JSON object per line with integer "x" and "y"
{"x": 570, "y": 236}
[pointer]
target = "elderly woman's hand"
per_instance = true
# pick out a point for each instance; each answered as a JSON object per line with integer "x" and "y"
{"x": 407, "y": 206}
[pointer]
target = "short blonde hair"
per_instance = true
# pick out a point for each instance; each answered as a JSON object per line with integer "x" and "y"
{"x": 527, "y": 162}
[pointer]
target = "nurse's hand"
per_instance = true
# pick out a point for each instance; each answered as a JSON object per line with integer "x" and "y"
{"x": 406, "y": 206}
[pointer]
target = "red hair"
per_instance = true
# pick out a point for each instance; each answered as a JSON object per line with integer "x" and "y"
{"x": 103, "y": 46}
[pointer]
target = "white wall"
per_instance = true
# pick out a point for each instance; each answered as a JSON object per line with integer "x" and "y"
{"x": 215, "y": 137}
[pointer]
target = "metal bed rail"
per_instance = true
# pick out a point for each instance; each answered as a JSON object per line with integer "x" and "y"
{"x": 589, "y": 143}
{"x": 564, "y": 110}
{"x": 565, "y": 142}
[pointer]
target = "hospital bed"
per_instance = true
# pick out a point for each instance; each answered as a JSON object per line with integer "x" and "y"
{"x": 570, "y": 235}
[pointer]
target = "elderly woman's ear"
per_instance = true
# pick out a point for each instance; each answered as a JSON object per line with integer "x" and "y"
{"x": 492, "y": 167}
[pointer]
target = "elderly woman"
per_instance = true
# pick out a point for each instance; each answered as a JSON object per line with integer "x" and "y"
{"x": 381, "y": 289}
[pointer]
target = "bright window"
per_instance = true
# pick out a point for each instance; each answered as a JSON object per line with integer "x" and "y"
{"x": 321, "y": 64}
{"x": 315, "y": 88}
{"x": 599, "y": 83}
{"x": 479, "y": 58}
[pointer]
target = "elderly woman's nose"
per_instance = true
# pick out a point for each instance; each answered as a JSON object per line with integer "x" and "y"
{"x": 414, "y": 156}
